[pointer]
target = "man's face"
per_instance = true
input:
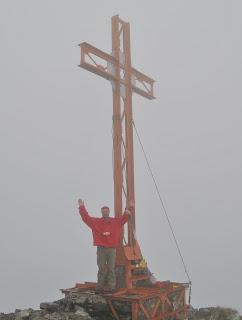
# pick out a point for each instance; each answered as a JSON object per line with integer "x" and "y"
{"x": 105, "y": 212}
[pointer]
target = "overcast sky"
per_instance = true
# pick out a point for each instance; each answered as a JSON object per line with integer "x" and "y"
{"x": 56, "y": 144}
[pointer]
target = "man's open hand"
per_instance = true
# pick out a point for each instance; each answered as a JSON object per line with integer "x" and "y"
{"x": 127, "y": 211}
{"x": 80, "y": 202}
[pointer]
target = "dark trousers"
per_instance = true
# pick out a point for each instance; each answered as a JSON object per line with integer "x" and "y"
{"x": 106, "y": 258}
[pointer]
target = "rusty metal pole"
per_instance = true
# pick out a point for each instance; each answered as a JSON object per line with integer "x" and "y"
{"x": 121, "y": 131}
{"x": 129, "y": 132}
{"x": 117, "y": 125}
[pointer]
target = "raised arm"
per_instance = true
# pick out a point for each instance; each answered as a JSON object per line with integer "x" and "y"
{"x": 84, "y": 214}
{"x": 125, "y": 216}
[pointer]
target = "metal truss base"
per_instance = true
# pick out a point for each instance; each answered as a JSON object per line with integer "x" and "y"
{"x": 165, "y": 300}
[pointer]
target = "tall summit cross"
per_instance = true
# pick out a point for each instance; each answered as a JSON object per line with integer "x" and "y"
{"x": 137, "y": 294}
{"x": 116, "y": 67}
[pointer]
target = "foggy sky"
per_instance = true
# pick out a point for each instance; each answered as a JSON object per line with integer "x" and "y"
{"x": 56, "y": 144}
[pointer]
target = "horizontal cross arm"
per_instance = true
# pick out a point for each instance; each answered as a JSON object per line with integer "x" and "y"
{"x": 87, "y": 48}
{"x": 96, "y": 60}
{"x": 103, "y": 64}
{"x": 97, "y": 70}
{"x": 142, "y": 76}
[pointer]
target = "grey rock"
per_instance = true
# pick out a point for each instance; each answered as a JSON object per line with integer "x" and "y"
{"x": 37, "y": 317}
{"x": 23, "y": 314}
{"x": 8, "y": 316}
{"x": 81, "y": 300}
{"x": 97, "y": 304}
{"x": 38, "y": 314}
{"x": 49, "y": 306}
{"x": 54, "y": 316}
{"x": 214, "y": 313}
{"x": 81, "y": 312}
{"x": 97, "y": 299}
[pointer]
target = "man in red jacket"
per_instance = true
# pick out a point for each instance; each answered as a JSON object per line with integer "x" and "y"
{"x": 106, "y": 233}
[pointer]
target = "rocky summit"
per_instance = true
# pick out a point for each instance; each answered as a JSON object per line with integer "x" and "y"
{"x": 90, "y": 306}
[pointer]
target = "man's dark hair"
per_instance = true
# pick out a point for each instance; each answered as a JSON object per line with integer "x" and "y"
{"x": 105, "y": 207}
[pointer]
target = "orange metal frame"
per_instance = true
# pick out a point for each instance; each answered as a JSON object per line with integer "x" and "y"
{"x": 166, "y": 300}
{"x": 150, "y": 303}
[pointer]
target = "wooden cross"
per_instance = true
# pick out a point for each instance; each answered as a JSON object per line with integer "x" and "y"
{"x": 116, "y": 67}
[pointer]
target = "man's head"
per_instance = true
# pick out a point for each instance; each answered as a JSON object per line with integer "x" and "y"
{"x": 105, "y": 211}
